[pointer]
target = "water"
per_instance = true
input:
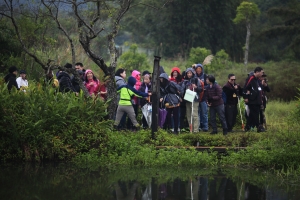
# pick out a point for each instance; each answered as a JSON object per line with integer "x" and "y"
{"x": 59, "y": 181}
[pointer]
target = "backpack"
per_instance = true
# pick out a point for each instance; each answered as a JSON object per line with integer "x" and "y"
{"x": 224, "y": 97}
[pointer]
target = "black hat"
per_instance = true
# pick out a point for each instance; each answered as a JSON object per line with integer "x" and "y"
{"x": 12, "y": 69}
{"x": 22, "y": 71}
{"x": 68, "y": 65}
{"x": 145, "y": 72}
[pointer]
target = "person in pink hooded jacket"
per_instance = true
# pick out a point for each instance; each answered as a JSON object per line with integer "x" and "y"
{"x": 92, "y": 84}
{"x": 137, "y": 75}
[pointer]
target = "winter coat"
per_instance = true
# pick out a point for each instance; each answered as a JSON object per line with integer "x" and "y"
{"x": 232, "y": 94}
{"x": 10, "y": 79}
{"x": 128, "y": 91}
{"x": 255, "y": 96}
{"x": 171, "y": 93}
{"x": 65, "y": 84}
{"x": 178, "y": 79}
{"x": 187, "y": 84}
{"x": 214, "y": 95}
{"x": 137, "y": 85}
{"x": 143, "y": 101}
{"x": 119, "y": 81}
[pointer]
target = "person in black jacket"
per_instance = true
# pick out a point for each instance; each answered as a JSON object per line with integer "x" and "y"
{"x": 171, "y": 95}
{"x": 232, "y": 91}
{"x": 265, "y": 88}
{"x": 253, "y": 98}
{"x": 10, "y": 78}
{"x": 65, "y": 83}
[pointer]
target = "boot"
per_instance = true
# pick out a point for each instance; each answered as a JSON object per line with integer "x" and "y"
{"x": 261, "y": 129}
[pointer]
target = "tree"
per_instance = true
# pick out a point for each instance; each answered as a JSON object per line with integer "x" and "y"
{"x": 132, "y": 60}
{"x": 287, "y": 26}
{"x": 93, "y": 19}
{"x": 246, "y": 13}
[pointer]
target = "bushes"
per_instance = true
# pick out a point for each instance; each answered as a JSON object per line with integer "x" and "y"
{"x": 44, "y": 124}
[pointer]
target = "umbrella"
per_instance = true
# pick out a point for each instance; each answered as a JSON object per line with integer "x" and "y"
{"x": 147, "y": 112}
{"x": 162, "y": 116}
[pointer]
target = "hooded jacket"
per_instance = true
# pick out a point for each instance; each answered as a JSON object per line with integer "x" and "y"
{"x": 171, "y": 92}
{"x": 10, "y": 79}
{"x": 138, "y": 83}
{"x": 93, "y": 85}
{"x": 65, "y": 84}
{"x": 187, "y": 83}
{"x": 128, "y": 91}
{"x": 202, "y": 75}
{"x": 175, "y": 79}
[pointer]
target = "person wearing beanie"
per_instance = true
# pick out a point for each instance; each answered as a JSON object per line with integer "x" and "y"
{"x": 127, "y": 92}
{"x": 216, "y": 104}
{"x": 22, "y": 81}
{"x": 10, "y": 78}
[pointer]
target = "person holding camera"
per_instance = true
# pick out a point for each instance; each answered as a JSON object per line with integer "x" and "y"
{"x": 253, "y": 98}
{"x": 215, "y": 104}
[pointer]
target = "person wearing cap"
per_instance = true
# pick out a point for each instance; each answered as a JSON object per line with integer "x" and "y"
{"x": 10, "y": 78}
{"x": 253, "y": 98}
{"x": 22, "y": 81}
{"x": 265, "y": 88}
{"x": 203, "y": 109}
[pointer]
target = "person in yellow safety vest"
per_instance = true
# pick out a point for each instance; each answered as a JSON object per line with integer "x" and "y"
{"x": 125, "y": 104}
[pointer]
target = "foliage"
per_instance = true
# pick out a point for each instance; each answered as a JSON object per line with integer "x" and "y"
{"x": 43, "y": 124}
{"x": 132, "y": 60}
{"x": 246, "y": 12}
{"x": 197, "y": 55}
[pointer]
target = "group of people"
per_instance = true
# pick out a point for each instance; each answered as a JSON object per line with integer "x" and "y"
{"x": 65, "y": 81}
{"x": 183, "y": 113}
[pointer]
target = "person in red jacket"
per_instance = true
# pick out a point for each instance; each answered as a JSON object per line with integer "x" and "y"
{"x": 175, "y": 75}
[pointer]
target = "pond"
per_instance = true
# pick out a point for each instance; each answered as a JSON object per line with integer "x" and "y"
{"x": 61, "y": 181}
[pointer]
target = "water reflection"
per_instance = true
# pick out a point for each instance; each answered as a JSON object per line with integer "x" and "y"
{"x": 65, "y": 182}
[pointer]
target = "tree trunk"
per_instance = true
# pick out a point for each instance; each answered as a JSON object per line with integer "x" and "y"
{"x": 247, "y": 44}
{"x": 155, "y": 96}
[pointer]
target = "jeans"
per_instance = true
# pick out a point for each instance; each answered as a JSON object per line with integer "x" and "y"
{"x": 221, "y": 112}
{"x": 203, "y": 115}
